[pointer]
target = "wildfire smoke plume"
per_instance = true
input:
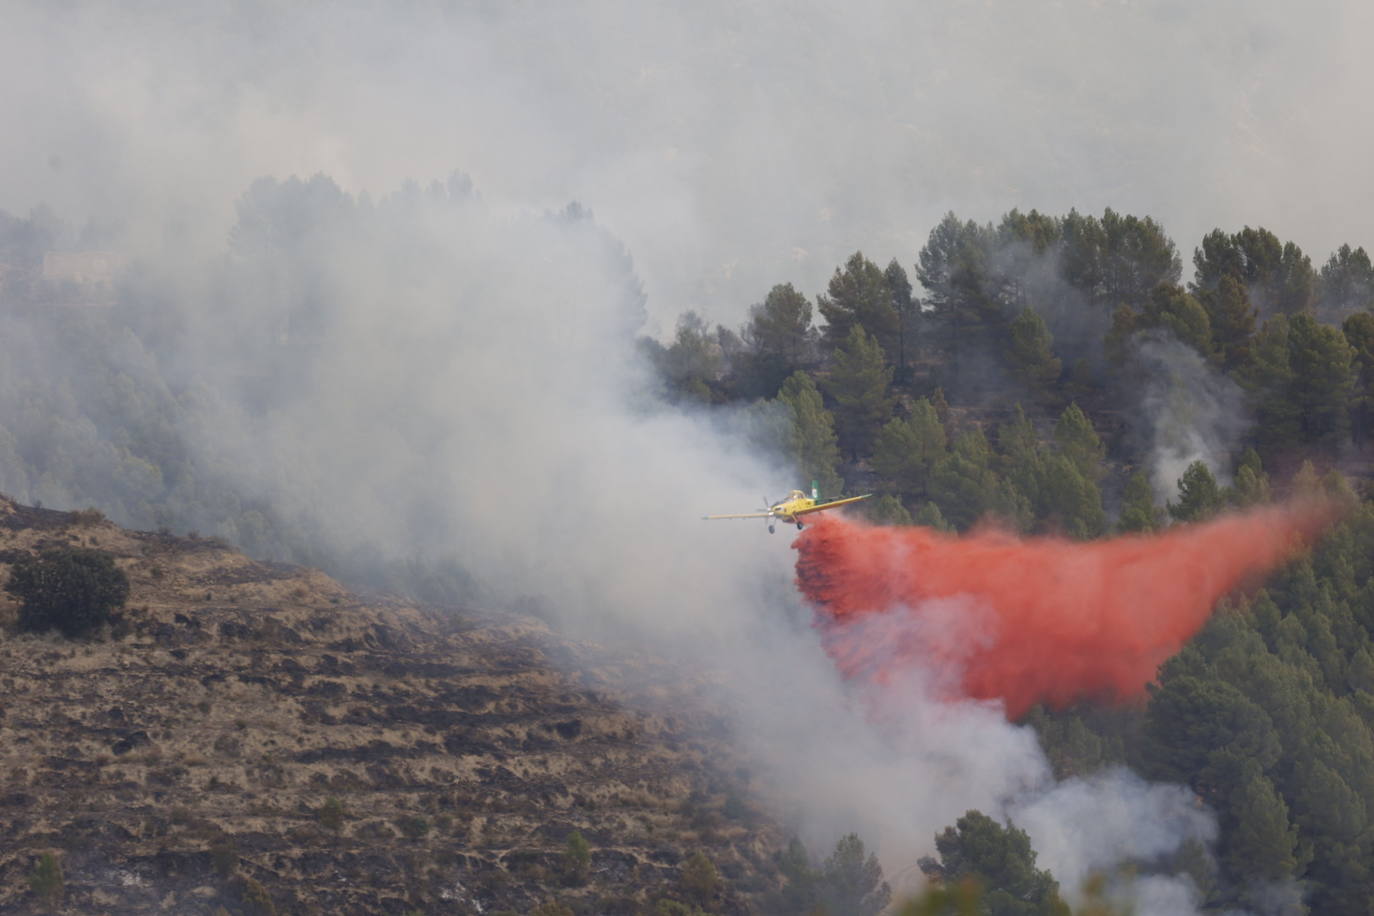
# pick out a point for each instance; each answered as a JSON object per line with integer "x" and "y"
{"x": 1039, "y": 619}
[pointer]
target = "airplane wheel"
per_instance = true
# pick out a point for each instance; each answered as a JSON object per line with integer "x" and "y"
{"x": 770, "y": 529}
{"x": 799, "y": 526}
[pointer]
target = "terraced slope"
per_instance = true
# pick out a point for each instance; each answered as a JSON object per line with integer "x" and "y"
{"x": 255, "y": 737}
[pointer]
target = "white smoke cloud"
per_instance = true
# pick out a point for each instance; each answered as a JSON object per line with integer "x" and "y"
{"x": 1114, "y": 820}
{"x": 1193, "y": 413}
{"x": 960, "y": 754}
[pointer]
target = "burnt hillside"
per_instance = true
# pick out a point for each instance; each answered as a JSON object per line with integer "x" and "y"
{"x": 255, "y": 737}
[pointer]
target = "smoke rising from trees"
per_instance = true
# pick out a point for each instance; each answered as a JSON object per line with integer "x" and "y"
{"x": 440, "y": 382}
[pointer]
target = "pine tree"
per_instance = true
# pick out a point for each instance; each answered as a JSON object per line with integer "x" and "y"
{"x": 694, "y": 361}
{"x": 1262, "y": 842}
{"x": 1078, "y": 441}
{"x": 1170, "y": 307}
{"x": 798, "y": 892}
{"x": 1118, "y": 259}
{"x": 1268, "y": 376}
{"x": 779, "y": 338}
{"x": 1346, "y": 285}
{"x": 812, "y": 444}
{"x": 859, "y": 295}
{"x": 908, "y": 313}
{"x": 851, "y": 880}
{"x": 1116, "y": 344}
{"x": 1073, "y": 503}
{"x": 929, "y": 515}
{"x": 954, "y": 267}
{"x": 966, "y": 488}
{"x": 1031, "y": 350}
{"x": 1251, "y": 486}
{"x": 1359, "y": 331}
{"x": 858, "y": 383}
{"x": 1138, "y": 257}
{"x": 1002, "y": 861}
{"x": 1199, "y": 497}
{"x": 1202, "y": 730}
{"x": 1232, "y": 320}
{"x": 906, "y": 450}
{"x": 1022, "y": 459}
{"x": 1139, "y": 515}
{"x": 1323, "y": 375}
{"x": 1306, "y": 481}
{"x": 885, "y": 510}
{"x": 1278, "y": 276}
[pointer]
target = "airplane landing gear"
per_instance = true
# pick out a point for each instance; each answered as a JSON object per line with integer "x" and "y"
{"x": 770, "y": 529}
{"x": 799, "y": 526}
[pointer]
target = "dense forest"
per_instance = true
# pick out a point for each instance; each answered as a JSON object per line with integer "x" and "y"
{"x": 1057, "y": 374}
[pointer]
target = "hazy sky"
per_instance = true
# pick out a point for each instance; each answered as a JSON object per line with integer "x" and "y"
{"x": 731, "y": 146}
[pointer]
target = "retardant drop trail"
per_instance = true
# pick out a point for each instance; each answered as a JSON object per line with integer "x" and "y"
{"x": 1033, "y": 620}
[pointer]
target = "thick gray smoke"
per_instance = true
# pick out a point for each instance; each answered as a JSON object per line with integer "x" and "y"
{"x": 448, "y": 374}
{"x": 436, "y": 375}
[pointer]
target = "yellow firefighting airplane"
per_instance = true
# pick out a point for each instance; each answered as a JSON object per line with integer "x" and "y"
{"x": 793, "y": 507}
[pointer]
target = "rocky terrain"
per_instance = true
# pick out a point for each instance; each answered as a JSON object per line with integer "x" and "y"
{"x": 254, "y": 738}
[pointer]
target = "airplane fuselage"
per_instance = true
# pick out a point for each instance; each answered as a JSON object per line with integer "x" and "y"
{"x": 788, "y": 509}
{"x": 792, "y": 508}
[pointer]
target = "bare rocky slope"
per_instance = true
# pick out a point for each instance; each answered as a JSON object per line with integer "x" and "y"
{"x": 256, "y": 738}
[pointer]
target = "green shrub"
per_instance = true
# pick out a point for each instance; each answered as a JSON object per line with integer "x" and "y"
{"x": 46, "y": 879}
{"x": 699, "y": 877}
{"x": 735, "y": 808}
{"x": 256, "y": 900}
{"x": 577, "y": 859}
{"x": 70, "y": 589}
{"x": 331, "y": 814}
{"x": 87, "y": 517}
{"x": 413, "y": 826}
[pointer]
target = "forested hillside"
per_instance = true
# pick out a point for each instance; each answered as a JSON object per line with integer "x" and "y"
{"x": 1059, "y": 375}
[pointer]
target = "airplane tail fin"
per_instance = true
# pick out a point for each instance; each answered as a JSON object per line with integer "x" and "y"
{"x": 815, "y": 490}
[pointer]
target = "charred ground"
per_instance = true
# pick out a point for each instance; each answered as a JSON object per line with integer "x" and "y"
{"x": 254, "y": 736}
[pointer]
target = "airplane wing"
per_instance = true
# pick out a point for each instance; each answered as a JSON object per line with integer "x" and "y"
{"x": 743, "y": 515}
{"x": 832, "y": 504}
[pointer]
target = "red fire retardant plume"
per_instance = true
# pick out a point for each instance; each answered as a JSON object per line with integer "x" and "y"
{"x": 1035, "y": 620}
